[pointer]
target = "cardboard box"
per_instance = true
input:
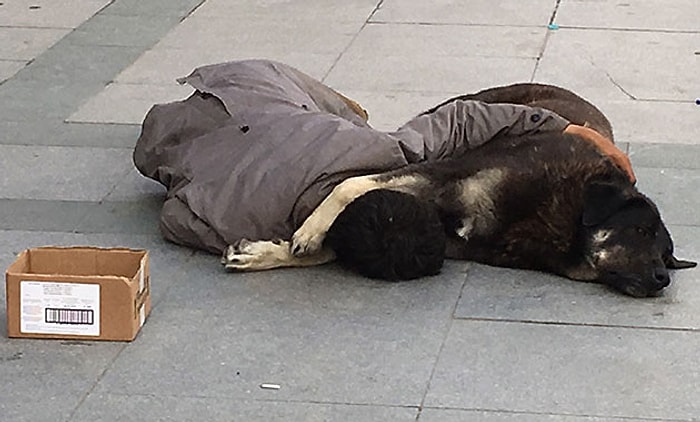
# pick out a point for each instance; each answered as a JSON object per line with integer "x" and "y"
{"x": 78, "y": 293}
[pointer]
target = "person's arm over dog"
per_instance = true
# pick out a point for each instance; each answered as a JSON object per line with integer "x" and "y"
{"x": 466, "y": 124}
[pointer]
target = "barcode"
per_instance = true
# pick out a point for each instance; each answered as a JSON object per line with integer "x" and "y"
{"x": 69, "y": 316}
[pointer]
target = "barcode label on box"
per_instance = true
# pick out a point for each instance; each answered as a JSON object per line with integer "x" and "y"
{"x": 69, "y": 316}
{"x": 60, "y": 308}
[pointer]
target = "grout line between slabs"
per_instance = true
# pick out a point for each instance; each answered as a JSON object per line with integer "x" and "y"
{"x": 580, "y": 415}
{"x": 547, "y": 35}
{"x": 450, "y": 323}
{"x": 580, "y": 324}
{"x": 352, "y": 41}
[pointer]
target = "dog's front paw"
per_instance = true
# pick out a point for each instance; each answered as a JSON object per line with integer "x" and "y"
{"x": 235, "y": 256}
{"x": 307, "y": 242}
{"x": 246, "y": 255}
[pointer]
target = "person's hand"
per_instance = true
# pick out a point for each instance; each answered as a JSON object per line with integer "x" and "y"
{"x": 605, "y": 146}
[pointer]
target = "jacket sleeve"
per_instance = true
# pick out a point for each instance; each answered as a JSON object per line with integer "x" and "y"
{"x": 467, "y": 124}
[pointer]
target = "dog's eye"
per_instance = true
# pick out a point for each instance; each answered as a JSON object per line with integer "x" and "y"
{"x": 644, "y": 232}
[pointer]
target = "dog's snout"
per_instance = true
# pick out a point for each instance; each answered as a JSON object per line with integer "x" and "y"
{"x": 662, "y": 277}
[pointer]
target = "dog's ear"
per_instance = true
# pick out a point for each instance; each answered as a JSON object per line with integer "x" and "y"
{"x": 665, "y": 244}
{"x": 601, "y": 200}
{"x": 673, "y": 263}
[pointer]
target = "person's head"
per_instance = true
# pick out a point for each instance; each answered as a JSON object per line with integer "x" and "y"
{"x": 389, "y": 235}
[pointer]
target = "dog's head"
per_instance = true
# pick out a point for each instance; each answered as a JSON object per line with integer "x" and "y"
{"x": 388, "y": 235}
{"x": 627, "y": 244}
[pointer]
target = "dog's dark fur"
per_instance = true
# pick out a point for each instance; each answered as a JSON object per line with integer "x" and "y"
{"x": 548, "y": 202}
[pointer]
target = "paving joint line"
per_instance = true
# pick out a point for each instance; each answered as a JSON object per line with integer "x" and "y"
{"x": 646, "y": 30}
{"x": 545, "y": 42}
{"x": 194, "y": 9}
{"x": 584, "y": 415}
{"x": 97, "y": 381}
{"x": 265, "y": 400}
{"x": 352, "y": 41}
{"x": 475, "y": 25}
{"x": 446, "y": 335}
{"x": 580, "y": 324}
{"x": 66, "y": 28}
{"x": 554, "y": 12}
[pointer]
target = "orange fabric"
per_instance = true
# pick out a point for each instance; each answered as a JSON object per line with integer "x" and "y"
{"x": 605, "y": 146}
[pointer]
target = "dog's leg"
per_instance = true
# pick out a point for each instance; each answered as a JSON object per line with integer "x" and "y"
{"x": 264, "y": 255}
{"x": 308, "y": 239}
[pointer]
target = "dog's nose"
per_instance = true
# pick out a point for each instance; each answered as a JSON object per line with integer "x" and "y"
{"x": 662, "y": 277}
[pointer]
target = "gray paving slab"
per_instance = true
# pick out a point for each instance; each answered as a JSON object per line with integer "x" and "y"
{"x": 27, "y": 43}
{"x": 49, "y": 13}
{"x": 420, "y": 73}
{"x": 134, "y": 187}
{"x": 648, "y": 14}
{"x": 79, "y": 66}
{"x": 162, "y": 65}
{"x": 46, "y": 380}
{"x": 475, "y": 12}
{"x": 43, "y": 215}
{"x": 8, "y": 68}
{"x": 135, "y": 217}
{"x": 325, "y": 336}
{"x": 67, "y": 63}
{"x": 475, "y": 58}
{"x": 255, "y": 37}
{"x": 56, "y": 133}
{"x": 118, "y": 30}
{"x": 597, "y": 64}
{"x": 330, "y": 10}
{"x": 159, "y": 8}
{"x": 455, "y": 415}
{"x": 429, "y": 40}
{"x": 572, "y": 370}
{"x": 665, "y": 156}
{"x": 389, "y": 110}
{"x": 639, "y": 121}
{"x": 61, "y": 173}
{"x": 111, "y": 407}
{"x": 57, "y": 100}
{"x": 132, "y": 217}
{"x": 675, "y": 191}
{"x": 122, "y": 103}
{"x": 63, "y": 77}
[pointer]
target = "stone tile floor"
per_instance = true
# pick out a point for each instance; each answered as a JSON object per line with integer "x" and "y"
{"x": 474, "y": 343}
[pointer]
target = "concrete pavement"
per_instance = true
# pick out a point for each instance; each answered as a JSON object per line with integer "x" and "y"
{"x": 474, "y": 343}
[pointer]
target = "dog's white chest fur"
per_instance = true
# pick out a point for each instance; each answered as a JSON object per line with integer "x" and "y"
{"x": 476, "y": 194}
